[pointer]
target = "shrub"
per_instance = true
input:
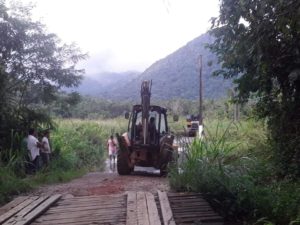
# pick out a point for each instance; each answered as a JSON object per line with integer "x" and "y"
{"x": 237, "y": 181}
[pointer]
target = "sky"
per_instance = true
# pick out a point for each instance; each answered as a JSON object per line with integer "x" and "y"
{"x": 125, "y": 35}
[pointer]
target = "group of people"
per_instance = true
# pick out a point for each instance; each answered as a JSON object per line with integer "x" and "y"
{"x": 38, "y": 151}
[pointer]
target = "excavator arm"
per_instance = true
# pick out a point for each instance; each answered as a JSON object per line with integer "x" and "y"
{"x": 145, "y": 97}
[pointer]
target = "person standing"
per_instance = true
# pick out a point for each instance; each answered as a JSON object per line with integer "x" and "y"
{"x": 46, "y": 150}
{"x": 112, "y": 148}
{"x": 33, "y": 145}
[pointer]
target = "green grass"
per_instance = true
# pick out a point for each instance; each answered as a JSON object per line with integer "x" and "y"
{"x": 78, "y": 146}
{"x": 10, "y": 184}
{"x": 233, "y": 170}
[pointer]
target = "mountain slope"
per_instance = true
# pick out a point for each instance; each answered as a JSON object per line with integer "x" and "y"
{"x": 177, "y": 75}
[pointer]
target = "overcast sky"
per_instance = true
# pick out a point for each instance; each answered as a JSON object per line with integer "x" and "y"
{"x": 122, "y": 35}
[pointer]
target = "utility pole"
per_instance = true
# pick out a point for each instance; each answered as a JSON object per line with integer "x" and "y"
{"x": 200, "y": 98}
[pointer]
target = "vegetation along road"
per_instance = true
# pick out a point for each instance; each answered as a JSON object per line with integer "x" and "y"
{"x": 247, "y": 166}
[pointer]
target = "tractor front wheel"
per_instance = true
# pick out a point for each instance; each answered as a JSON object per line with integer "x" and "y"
{"x": 122, "y": 164}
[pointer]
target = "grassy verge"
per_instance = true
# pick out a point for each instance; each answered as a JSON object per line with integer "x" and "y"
{"x": 78, "y": 146}
{"x": 233, "y": 170}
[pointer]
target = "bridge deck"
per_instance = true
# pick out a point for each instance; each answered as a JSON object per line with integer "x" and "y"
{"x": 131, "y": 208}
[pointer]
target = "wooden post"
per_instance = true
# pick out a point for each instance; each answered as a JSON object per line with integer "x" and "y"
{"x": 200, "y": 92}
{"x": 200, "y": 128}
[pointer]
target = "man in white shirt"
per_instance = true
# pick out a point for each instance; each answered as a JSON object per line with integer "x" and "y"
{"x": 33, "y": 145}
{"x": 46, "y": 150}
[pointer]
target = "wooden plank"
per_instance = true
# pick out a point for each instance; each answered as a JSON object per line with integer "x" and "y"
{"x": 97, "y": 216}
{"x": 166, "y": 211}
{"x": 81, "y": 221}
{"x": 90, "y": 203}
{"x": 80, "y": 208}
{"x": 80, "y": 204}
{"x": 25, "y": 210}
{"x": 152, "y": 209}
{"x": 131, "y": 217}
{"x": 66, "y": 202}
{"x": 92, "y": 197}
{"x": 38, "y": 210}
{"x": 16, "y": 209}
{"x": 88, "y": 198}
{"x": 142, "y": 211}
{"x": 83, "y": 212}
{"x": 12, "y": 204}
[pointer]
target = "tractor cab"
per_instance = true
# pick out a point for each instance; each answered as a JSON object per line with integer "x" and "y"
{"x": 150, "y": 131}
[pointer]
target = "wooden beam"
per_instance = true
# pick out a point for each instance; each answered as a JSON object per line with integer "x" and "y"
{"x": 152, "y": 209}
{"x": 38, "y": 210}
{"x": 142, "y": 211}
{"x": 25, "y": 211}
{"x": 12, "y": 204}
{"x": 131, "y": 218}
{"x": 16, "y": 209}
{"x": 167, "y": 214}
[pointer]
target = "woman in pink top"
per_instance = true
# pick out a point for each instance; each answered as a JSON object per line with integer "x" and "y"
{"x": 112, "y": 148}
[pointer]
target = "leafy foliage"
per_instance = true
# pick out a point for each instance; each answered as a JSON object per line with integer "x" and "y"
{"x": 237, "y": 179}
{"x": 78, "y": 146}
{"x": 258, "y": 43}
{"x": 34, "y": 65}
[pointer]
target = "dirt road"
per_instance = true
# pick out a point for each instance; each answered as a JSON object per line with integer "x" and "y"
{"x": 107, "y": 182}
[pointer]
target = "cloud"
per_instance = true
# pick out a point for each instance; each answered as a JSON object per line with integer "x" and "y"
{"x": 126, "y": 34}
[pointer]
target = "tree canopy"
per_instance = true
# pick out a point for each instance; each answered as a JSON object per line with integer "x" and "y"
{"x": 258, "y": 44}
{"x": 34, "y": 65}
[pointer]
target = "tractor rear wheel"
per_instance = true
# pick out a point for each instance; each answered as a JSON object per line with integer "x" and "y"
{"x": 122, "y": 164}
{"x": 122, "y": 157}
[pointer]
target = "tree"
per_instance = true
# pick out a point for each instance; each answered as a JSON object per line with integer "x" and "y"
{"x": 258, "y": 44}
{"x": 34, "y": 65}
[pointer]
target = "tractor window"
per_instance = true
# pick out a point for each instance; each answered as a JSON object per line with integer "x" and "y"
{"x": 138, "y": 118}
{"x": 138, "y": 128}
{"x": 155, "y": 115}
{"x": 163, "y": 124}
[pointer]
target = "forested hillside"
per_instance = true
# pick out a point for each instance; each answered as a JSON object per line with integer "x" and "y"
{"x": 175, "y": 76}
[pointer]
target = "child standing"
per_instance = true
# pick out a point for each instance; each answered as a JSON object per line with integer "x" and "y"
{"x": 112, "y": 148}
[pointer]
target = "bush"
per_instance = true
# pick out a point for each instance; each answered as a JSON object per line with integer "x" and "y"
{"x": 83, "y": 142}
{"x": 78, "y": 146}
{"x": 10, "y": 184}
{"x": 238, "y": 181}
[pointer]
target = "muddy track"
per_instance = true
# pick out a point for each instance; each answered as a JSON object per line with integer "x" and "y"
{"x": 107, "y": 182}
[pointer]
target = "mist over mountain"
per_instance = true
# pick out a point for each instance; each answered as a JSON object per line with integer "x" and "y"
{"x": 175, "y": 76}
{"x": 97, "y": 85}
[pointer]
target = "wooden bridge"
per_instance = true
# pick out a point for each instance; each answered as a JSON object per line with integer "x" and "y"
{"x": 130, "y": 208}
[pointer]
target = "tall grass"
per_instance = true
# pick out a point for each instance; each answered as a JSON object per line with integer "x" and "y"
{"x": 78, "y": 146}
{"x": 230, "y": 168}
{"x": 83, "y": 142}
